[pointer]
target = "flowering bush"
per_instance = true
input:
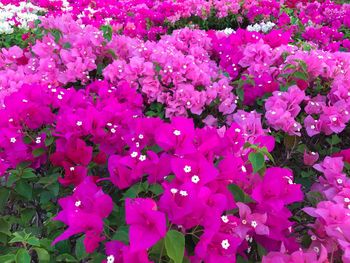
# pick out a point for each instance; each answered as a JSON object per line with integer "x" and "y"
{"x": 183, "y": 131}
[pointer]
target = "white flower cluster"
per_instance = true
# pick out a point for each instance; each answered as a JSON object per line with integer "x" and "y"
{"x": 228, "y": 31}
{"x": 17, "y": 16}
{"x": 264, "y": 27}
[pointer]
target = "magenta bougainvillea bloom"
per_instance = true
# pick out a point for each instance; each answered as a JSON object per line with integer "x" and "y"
{"x": 310, "y": 158}
{"x": 277, "y": 189}
{"x": 147, "y": 224}
{"x": 83, "y": 212}
{"x": 177, "y": 137}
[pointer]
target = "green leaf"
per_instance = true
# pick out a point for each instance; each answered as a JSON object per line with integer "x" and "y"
{"x": 107, "y": 32}
{"x": 9, "y": 258}
{"x": 334, "y": 140}
{"x": 240, "y": 93}
{"x": 5, "y": 227}
{"x": 43, "y": 255}
{"x": 240, "y": 259}
{"x": 27, "y": 140}
{"x": 22, "y": 256}
{"x": 257, "y": 160}
{"x": 67, "y": 45}
{"x": 158, "y": 68}
{"x": 239, "y": 194}
{"x": 49, "y": 141}
{"x": 28, "y": 173}
{"x": 4, "y": 195}
{"x": 37, "y": 22}
{"x": 56, "y": 34}
{"x": 157, "y": 248}
{"x": 156, "y": 189}
{"x": 175, "y": 245}
{"x": 261, "y": 251}
{"x": 300, "y": 75}
{"x": 80, "y": 252}
{"x": 33, "y": 241}
{"x": 264, "y": 151}
{"x": 24, "y": 189}
{"x": 66, "y": 258}
{"x": 122, "y": 234}
{"x": 13, "y": 177}
{"x": 38, "y": 152}
{"x": 289, "y": 66}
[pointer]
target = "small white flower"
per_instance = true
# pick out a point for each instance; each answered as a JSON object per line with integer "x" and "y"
{"x": 254, "y": 224}
{"x": 339, "y": 181}
{"x": 71, "y": 169}
{"x": 140, "y": 136}
{"x": 142, "y": 158}
{"x": 177, "y": 133}
{"x": 13, "y": 140}
{"x": 134, "y": 154}
{"x": 79, "y": 123}
{"x": 244, "y": 222}
{"x": 237, "y": 130}
{"x": 316, "y": 249}
{"x": 110, "y": 259}
{"x": 313, "y": 127}
{"x": 224, "y": 219}
{"x": 195, "y": 179}
{"x": 187, "y": 169}
{"x": 334, "y": 119}
{"x": 78, "y": 203}
{"x": 244, "y": 170}
{"x": 313, "y": 237}
{"x": 225, "y": 244}
{"x": 173, "y": 190}
{"x": 113, "y": 130}
{"x": 183, "y": 193}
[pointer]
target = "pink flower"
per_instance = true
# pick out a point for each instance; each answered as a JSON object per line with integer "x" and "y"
{"x": 253, "y": 221}
{"x": 84, "y": 212}
{"x": 73, "y": 150}
{"x": 177, "y": 136}
{"x": 310, "y": 158}
{"x": 277, "y": 189}
{"x": 147, "y": 225}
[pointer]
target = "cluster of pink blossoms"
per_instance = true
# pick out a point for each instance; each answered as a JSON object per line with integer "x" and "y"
{"x": 194, "y": 167}
{"x": 78, "y": 98}
{"x": 176, "y": 71}
{"x": 323, "y": 22}
{"x": 331, "y": 228}
{"x": 324, "y": 113}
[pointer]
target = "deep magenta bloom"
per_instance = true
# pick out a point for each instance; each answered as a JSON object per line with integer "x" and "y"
{"x": 84, "y": 212}
{"x": 147, "y": 224}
